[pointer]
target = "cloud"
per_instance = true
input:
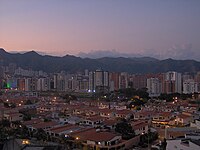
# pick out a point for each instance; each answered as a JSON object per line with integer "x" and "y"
{"x": 180, "y": 52}
{"x": 106, "y": 53}
{"x": 183, "y": 51}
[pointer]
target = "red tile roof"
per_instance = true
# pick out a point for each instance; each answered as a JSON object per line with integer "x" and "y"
{"x": 93, "y": 135}
{"x": 123, "y": 112}
{"x": 138, "y": 124}
{"x": 45, "y": 124}
{"x": 33, "y": 121}
{"x": 110, "y": 122}
{"x": 183, "y": 116}
{"x": 62, "y": 128}
{"x": 95, "y": 118}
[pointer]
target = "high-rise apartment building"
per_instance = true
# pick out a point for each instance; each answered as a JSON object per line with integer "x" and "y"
{"x": 190, "y": 86}
{"x": 154, "y": 87}
{"x": 98, "y": 80}
{"x": 21, "y": 84}
{"x": 139, "y": 81}
{"x": 30, "y": 84}
{"x": 172, "y": 82}
{"x": 43, "y": 84}
{"x": 197, "y": 79}
{"x": 114, "y": 81}
{"x": 123, "y": 80}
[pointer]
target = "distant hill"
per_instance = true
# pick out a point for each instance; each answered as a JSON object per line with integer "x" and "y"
{"x": 72, "y": 64}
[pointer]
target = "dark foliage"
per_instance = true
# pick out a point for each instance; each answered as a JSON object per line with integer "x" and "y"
{"x": 130, "y": 92}
{"x": 148, "y": 138}
{"x": 170, "y": 97}
{"x": 125, "y": 129}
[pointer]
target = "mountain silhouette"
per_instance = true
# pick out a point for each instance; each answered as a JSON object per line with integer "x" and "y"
{"x": 71, "y": 64}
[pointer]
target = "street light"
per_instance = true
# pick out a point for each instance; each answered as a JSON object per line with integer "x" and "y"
{"x": 166, "y": 131}
{"x": 25, "y": 142}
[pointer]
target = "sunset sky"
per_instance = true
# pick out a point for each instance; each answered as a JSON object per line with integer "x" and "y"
{"x": 62, "y": 27}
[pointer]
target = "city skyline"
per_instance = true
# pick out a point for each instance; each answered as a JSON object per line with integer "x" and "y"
{"x": 99, "y": 74}
{"x": 160, "y": 29}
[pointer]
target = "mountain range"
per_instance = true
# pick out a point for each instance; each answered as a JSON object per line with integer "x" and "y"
{"x": 70, "y": 63}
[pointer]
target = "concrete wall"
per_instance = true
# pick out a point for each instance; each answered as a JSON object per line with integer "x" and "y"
{"x": 132, "y": 142}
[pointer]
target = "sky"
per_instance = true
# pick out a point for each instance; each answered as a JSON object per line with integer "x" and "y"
{"x": 159, "y": 28}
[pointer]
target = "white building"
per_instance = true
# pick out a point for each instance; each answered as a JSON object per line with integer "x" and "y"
{"x": 196, "y": 124}
{"x": 183, "y": 144}
{"x": 154, "y": 87}
{"x": 27, "y": 84}
{"x": 43, "y": 84}
{"x": 190, "y": 86}
{"x": 30, "y": 84}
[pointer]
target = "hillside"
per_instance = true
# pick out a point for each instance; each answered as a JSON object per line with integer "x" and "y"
{"x": 71, "y": 63}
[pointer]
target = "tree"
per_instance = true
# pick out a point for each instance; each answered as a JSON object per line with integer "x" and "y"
{"x": 26, "y": 117}
{"x": 21, "y": 132}
{"x": 164, "y": 144}
{"x": 148, "y": 137}
{"x": 67, "y": 141}
{"x": 131, "y": 92}
{"x": 142, "y": 93}
{"x": 28, "y": 102}
{"x": 125, "y": 129}
{"x": 41, "y": 135}
{"x": 47, "y": 119}
{"x": 167, "y": 97}
{"x": 5, "y": 123}
{"x": 69, "y": 97}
